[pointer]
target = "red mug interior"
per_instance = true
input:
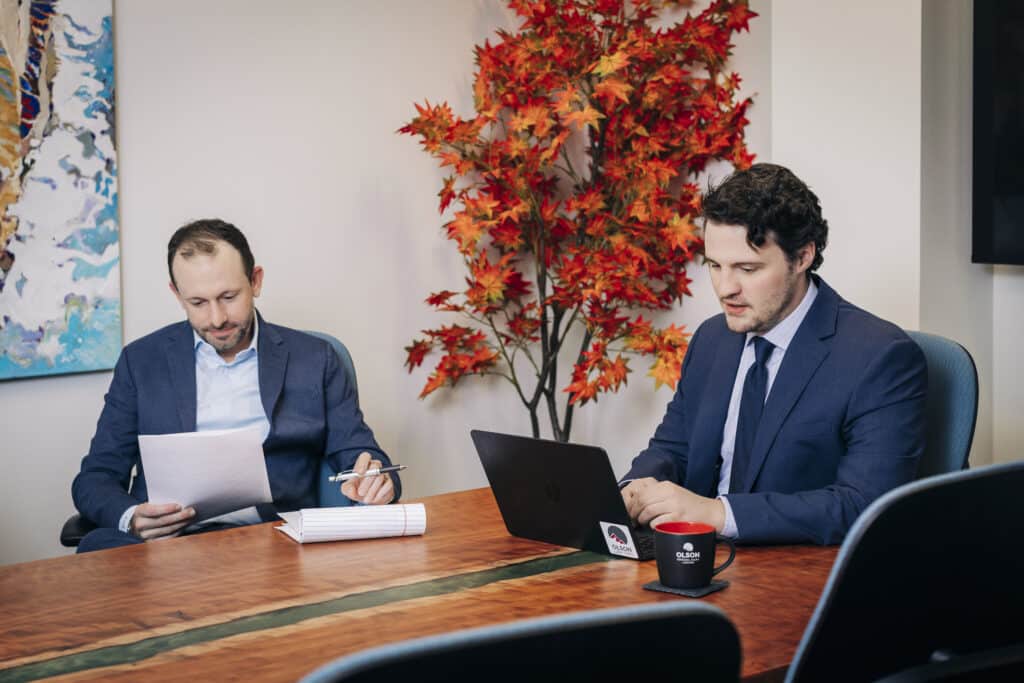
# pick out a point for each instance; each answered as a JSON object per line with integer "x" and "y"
{"x": 684, "y": 528}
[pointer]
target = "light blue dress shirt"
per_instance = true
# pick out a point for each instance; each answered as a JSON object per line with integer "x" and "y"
{"x": 227, "y": 397}
{"x": 780, "y": 336}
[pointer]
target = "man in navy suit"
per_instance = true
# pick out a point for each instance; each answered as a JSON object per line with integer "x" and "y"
{"x": 225, "y": 367}
{"x": 795, "y": 408}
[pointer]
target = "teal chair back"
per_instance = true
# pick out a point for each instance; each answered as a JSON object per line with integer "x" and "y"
{"x": 329, "y": 493}
{"x": 952, "y": 404}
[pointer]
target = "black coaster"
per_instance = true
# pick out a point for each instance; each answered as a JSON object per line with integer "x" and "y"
{"x": 687, "y": 592}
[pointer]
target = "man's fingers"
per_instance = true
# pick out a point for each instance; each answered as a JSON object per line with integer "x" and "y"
{"x": 156, "y": 509}
{"x": 385, "y": 493}
{"x": 162, "y": 531}
{"x": 663, "y": 518}
{"x": 362, "y": 462}
{"x": 368, "y": 484}
{"x": 144, "y": 522}
{"x": 659, "y": 511}
{"x": 351, "y": 488}
{"x": 632, "y": 501}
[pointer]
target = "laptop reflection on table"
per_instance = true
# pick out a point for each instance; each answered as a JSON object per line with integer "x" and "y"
{"x": 560, "y": 493}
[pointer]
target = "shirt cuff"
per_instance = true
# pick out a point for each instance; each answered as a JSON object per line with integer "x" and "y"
{"x": 125, "y": 523}
{"x": 729, "y": 528}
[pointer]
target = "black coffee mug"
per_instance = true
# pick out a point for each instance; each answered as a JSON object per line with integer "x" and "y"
{"x": 685, "y": 553}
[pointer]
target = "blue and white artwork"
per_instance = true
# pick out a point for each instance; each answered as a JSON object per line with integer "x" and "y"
{"x": 60, "y": 294}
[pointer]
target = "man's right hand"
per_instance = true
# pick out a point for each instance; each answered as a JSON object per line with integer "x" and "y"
{"x": 152, "y": 521}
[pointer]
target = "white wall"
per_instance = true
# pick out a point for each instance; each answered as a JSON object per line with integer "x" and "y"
{"x": 1008, "y": 386}
{"x": 956, "y": 295}
{"x": 282, "y": 119}
{"x": 846, "y": 103}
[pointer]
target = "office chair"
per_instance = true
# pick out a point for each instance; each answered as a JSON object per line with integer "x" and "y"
{"x": 328, "y": 494}
{"x": 686, "y": 640}
{"x": 989, "y": 666}
{"x": 929, "y": 573}
{"x": 951, "y": 407}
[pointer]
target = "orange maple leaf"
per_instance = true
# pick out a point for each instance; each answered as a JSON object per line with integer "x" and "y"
{"x": 609, "y": 64}
{"x": 679, "y": 233}
{"x": 613, "y": 88}
{"x": 466, "y": 230}
{"x": 565, "y": 101}
{"x": 536, "y": 116}
{"x": 666, "y": 370}
{"x": 434, "y": 382}
{"x": 588, "y": 116}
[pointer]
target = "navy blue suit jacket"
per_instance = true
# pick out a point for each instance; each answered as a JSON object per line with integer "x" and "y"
{"x": 312, "y": 409}
{"x": 843, "y": 423}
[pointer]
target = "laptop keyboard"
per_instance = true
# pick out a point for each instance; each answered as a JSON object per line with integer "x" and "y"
{"x": 643, "y": 536}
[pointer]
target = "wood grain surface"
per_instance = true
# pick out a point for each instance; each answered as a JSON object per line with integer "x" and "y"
{"x": 251, "y": 602}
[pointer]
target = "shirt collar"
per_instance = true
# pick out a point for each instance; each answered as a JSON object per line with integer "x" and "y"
{"x": 203, "y": 348}
{"x": 782, "y": 334}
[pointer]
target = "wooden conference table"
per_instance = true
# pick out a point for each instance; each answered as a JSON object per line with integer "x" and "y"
{"x": 250, "y": 604}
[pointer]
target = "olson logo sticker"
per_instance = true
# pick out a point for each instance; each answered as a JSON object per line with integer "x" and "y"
{"x": 618, "y": 540}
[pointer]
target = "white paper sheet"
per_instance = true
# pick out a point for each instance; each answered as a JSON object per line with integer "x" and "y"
{"x": 214, "y": 471}
{"x": 314, "y": 525}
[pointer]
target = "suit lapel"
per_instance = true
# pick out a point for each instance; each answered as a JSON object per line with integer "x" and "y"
{"x": 809, "y": 348}
{"x": 273, "y": 361}
{"x": 707, "y": 434}
{"x": 181, "y": 364}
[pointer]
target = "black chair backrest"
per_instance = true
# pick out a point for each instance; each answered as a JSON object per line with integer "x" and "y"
{"x": 682, "y": 640}
{"x": 997, "y": 665}
{"x": 929, "y": 571}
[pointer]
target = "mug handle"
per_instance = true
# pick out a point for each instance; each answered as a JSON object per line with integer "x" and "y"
{"x": 732, "y": 554}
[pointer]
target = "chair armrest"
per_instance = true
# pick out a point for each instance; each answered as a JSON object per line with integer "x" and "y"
{"x": 74, "y": 529}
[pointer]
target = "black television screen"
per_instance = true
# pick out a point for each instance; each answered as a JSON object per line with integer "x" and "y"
{"x": 998, "y": 204}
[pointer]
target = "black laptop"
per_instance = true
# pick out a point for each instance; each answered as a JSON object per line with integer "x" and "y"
{"x": 560, "y": 493}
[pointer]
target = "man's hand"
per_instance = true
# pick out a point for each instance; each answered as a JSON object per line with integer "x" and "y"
{"x": 378, "y": 490}
{"x": 152, "y": 521}
{"x": 652, "y": 502}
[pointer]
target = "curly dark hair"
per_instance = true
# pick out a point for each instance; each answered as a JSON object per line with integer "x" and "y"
{"x": 202, "y": 236}
{"x": 769, "y": 200}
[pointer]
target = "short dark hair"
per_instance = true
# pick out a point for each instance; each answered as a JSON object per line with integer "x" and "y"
{"x": 769, "y": 200}
{"x": 202, "y": 236}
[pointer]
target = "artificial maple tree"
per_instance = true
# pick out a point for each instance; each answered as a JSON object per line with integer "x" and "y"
{"x": 575, "y": 194}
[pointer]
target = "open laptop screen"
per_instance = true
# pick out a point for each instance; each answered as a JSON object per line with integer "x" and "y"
{"x": 559, "y": 493}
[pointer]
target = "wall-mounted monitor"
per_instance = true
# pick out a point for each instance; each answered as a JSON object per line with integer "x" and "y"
{"x": 998, "y": 203}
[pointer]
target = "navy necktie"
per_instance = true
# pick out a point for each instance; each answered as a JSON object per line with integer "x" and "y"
{"x": 755, "y": 388}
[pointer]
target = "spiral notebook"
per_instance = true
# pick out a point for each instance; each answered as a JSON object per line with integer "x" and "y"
{"x": 316, "y": 525}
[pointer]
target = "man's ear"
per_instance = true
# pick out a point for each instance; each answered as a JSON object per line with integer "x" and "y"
{"x": 176, "y": 293}
{"x": 805, "y": 257}
{"x": 257, "y": 280}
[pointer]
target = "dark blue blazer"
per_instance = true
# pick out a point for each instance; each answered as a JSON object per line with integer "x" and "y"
{"x": 313, "y": 413}
{"x": 843, "y": 423}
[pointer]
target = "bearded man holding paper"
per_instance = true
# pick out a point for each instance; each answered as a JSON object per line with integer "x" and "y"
{"x": 223, "y": 368}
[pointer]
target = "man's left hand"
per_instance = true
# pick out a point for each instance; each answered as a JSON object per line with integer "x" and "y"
{"x": 378, "y": 490}
{"x": 653, "y": 502}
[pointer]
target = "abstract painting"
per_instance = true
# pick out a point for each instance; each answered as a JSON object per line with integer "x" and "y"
{"x": 60, "y": 292}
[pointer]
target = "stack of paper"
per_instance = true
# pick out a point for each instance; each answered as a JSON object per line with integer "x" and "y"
{"x": 215, "y": 471}
{"x": 313, "y": 525}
